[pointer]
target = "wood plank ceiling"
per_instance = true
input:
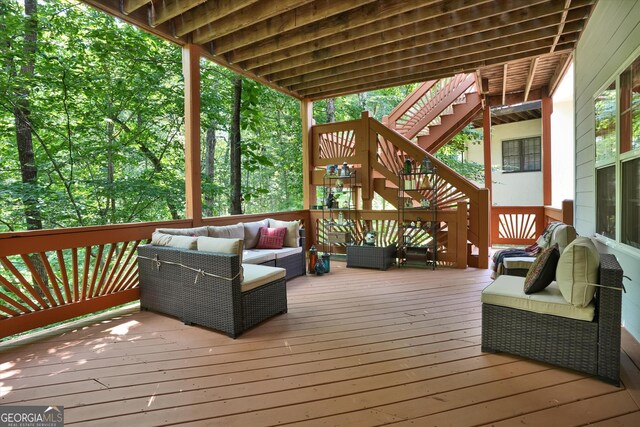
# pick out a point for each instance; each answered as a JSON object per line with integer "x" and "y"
{"x": 325, "y": 48}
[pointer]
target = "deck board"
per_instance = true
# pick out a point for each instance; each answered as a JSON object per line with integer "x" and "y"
{"x": 357, "y": 347}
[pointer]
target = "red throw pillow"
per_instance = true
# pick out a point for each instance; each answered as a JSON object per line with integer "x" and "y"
{"x": 271, "y": 238}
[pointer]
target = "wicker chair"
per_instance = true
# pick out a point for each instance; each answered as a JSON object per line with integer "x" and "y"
{"x": 591, "y": 347}
{"x": 174, "y": 286}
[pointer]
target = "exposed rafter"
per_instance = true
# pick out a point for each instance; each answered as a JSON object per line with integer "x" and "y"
{"x": 325, "y": 48}
{"x": 532, "y": 73}
{"x": 128, "y": 6}
{"x": 567, "y": 3}
{"x": 504, "y": 84}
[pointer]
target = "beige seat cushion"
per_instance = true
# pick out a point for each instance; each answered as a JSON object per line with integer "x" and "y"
{"x": 292, "y": 236}
{"x": 173, "y": 241}
{"x": 258, "y": 256}
{"x": 577, "y": 269}
{"x": 507, "y": 291}
{"x": 258, "y": 275}
{"x": 518, "y": 262}
{"x": 285, "y": 252}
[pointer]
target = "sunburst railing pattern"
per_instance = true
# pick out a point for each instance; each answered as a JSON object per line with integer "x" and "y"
{"x": 519, "y": 225}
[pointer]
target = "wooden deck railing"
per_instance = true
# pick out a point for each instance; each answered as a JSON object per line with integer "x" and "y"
{"x": 49, "y": 276}
{"x": 522, "y": 225}
{"x": 379, "y": 152}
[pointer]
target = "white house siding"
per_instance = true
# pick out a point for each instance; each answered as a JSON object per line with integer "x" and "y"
{"x": 511, "y": 189}
{"x": 608, "y": 42}
{"x": 562, "y": 141}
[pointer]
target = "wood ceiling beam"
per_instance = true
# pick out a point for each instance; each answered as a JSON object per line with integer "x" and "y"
{"x": 280, "y": 24}
{"x": 169, "y": 9}
{"x": 495, "y": 56}
{"x": 233, "y": 67}
{"x": 422, "y": 53}
{"x": 419, "y": 74}
{"x": 567, "y": 3}
{"x": 504, "y": 82}
{"x": 208, "y": 12}
{"x": 129, "y": 6}
{"x": 559, "y": 72}
{"x": 532, "y": 72}
{"x": 515, "y": 98}
{"x": 138, "y": 17}
{"x": 398, "y": 28}
{"x": 387, "y": 43}
{"x": 244, "y": 18}
{"x": 334, "y": 26}
{"x": 452, "y": 56}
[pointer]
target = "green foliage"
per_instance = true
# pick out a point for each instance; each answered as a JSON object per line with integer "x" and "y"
{"x": 452, "y": 154}
{"x": 107, "y": 119}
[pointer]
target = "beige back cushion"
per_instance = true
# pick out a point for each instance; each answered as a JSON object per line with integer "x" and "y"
{"x": 577, "y": 269}
{"x": 174, "y": 241}
{"x": 225, "y": 246}
{"x": 292, "y": 235}
{"x": 252, "y": 232}
{"x": 235, "y": 231}
{"x": 563, "y": 235}
{"x": 197, "y": 231}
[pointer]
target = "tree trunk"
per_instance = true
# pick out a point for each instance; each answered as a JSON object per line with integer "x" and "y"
{"x": 331, "y": 110}
{"x": 21, "y": 112}
{"x": 210, "y": 169}
{"x": 234, "y": 143}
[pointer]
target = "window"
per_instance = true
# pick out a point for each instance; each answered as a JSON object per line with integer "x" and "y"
{"x": 606, "y": 201}
{"x": 631, "y": 202}
{"x": 617, "y": 156}
{"x": 521, "y": 155}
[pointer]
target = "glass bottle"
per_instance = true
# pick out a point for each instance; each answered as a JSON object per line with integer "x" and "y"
{"x": 313, "y": 259}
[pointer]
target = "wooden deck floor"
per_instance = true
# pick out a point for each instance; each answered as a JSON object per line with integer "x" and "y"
{"x": 357, "y": 348}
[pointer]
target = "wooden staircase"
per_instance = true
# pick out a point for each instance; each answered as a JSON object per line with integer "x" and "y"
{"x": 431, "y": 116}
{"x": 425, "y": 121}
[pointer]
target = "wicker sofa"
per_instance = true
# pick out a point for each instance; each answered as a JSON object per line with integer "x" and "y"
{"x": 206, "y": 288}
{"x": 291, "y": 258}
{"x": 587, "y": 346}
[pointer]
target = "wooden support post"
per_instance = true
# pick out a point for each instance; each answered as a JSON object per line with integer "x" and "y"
{"x": 363, "y": 146}
{"x": 192, "y": 178}
{"x": 484, "y": 229}
{"x": 567, "y": 212}
{"x": 308, "y": 191}
{"x": 547, "y": 109}
{"x": 461, "y": 235}
{"x": 486, "y": 134}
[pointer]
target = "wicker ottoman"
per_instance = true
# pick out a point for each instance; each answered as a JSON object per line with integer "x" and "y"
{"x": 380, "y": 257}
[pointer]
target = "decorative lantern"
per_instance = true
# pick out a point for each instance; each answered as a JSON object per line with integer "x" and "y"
{"x": 407, "y": 166}
{"x": 345, "y": 170}
{"x": 326, "y": 260}
{"x": 320, "y": 268}
{"x": 313, "y": 259}
{"x": 426, "y": 165}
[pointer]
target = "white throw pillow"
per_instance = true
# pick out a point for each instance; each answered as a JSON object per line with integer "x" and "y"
{"x": 174, "y": 241}
{"x": 235, "y": 231}
{"x": 292, "y": 236}
{"x": 577, "y": 269}
{"x": 252, "y": 232}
